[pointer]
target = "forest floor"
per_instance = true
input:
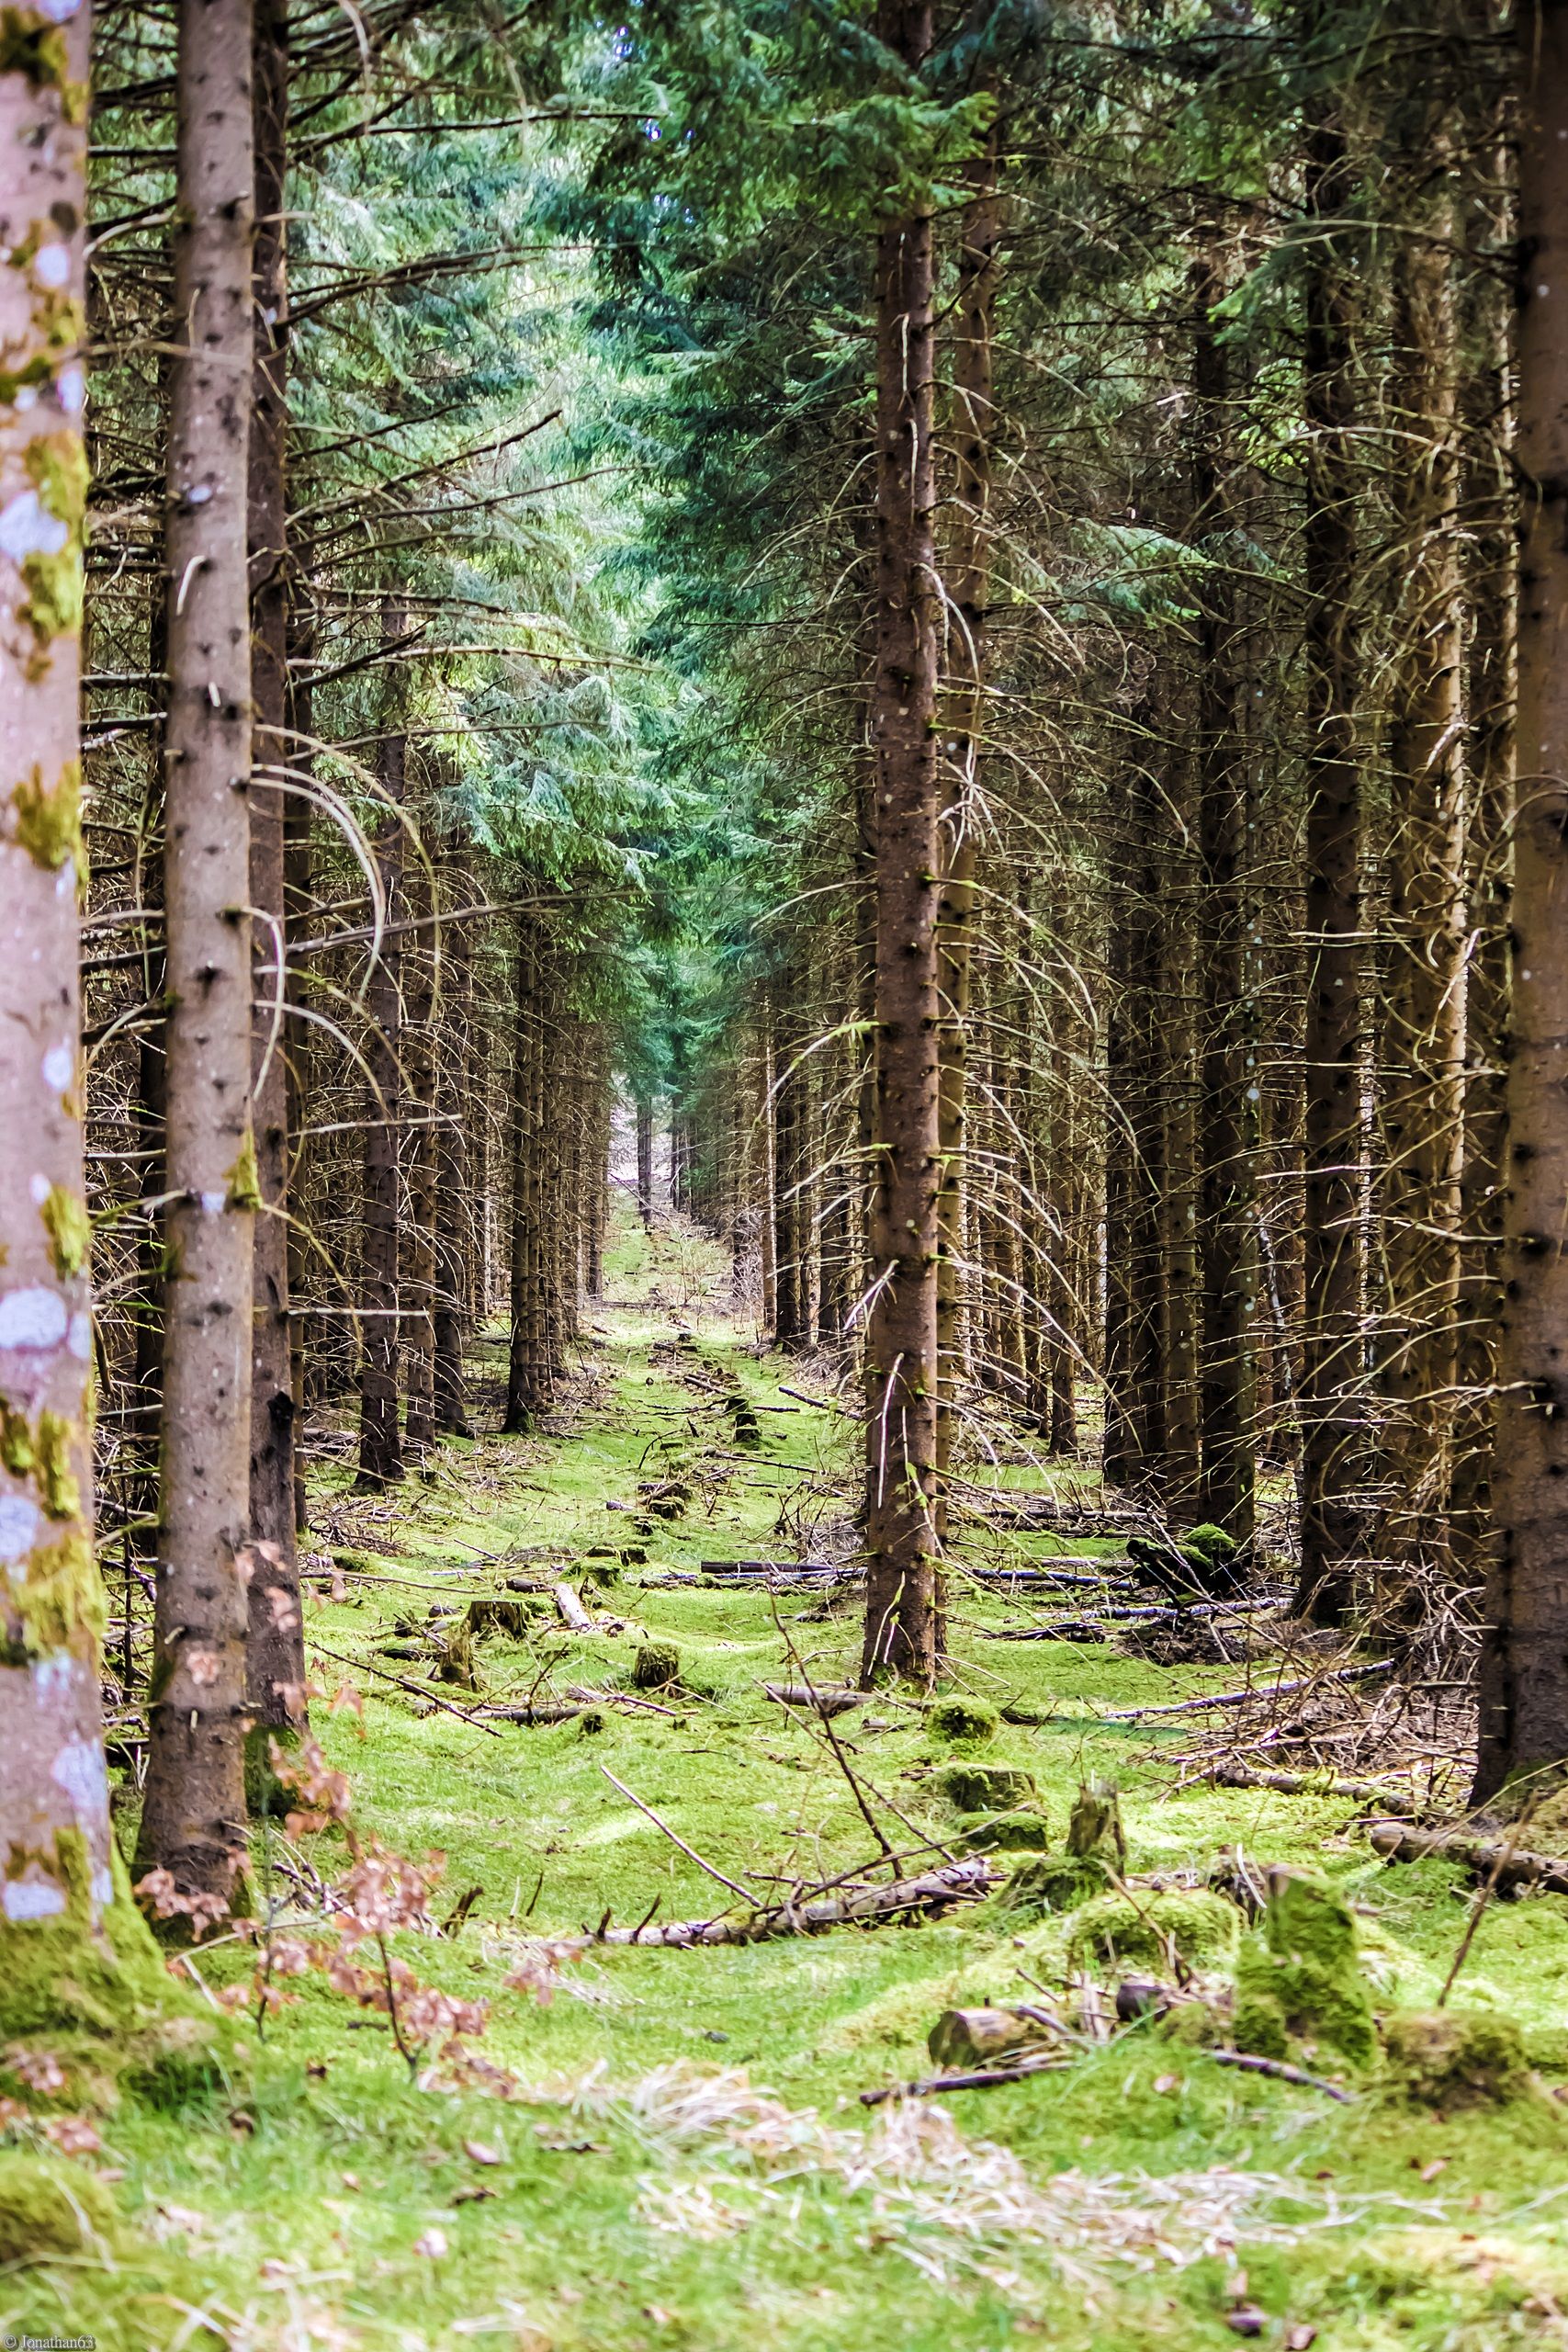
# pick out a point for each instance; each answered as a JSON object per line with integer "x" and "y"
{"x": 682, "y": 2158}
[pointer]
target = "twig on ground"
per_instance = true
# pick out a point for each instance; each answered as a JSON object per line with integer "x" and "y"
{"x": 690, "y": 1851}
{"x": 1279, "y": 2072}
{"x": 979, "y": 2078}
{"x": 363, "y": 1665}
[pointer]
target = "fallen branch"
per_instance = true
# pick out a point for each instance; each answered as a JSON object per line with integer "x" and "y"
{"x": 979, "y": 2078}
{"x": 363, "y": 1665}
{"x": 609, "y": 1696}
{"x": 1309, "y": 1784}
{"x": 1279, "y": 2072}
{"x": 858, "y": 1907}
{"x": 544, "y": 1715}
{"x": 1245, "y": 1698}
{"x": 1399, "y": 1841}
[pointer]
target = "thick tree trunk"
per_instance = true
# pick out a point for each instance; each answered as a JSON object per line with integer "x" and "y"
{"x": 904, "y": 1238}
{"x": 1332, "y": 1401}
{"x": 380, "y": 1437}
{"x": 1524, "y": 1672}
{"x": 56, "y": 1884}
{"x": 193, "y": 1819}
{"x": 274, "y": 1648}
{"x": 1227, "y": 1172}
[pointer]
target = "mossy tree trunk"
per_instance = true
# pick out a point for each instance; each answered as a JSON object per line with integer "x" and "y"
{"x": 193, "y": 1820}
{"x": 55, "y": 1843}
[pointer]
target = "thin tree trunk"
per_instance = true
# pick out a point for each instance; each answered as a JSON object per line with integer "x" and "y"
{"x": 904, "y": 1240}
{"x": 645, "y": 1161}
{"x": 274, "y": 1648}
{"x": 969, "y": 590}
{"x": 1133, "y": 1441}
{"x": 417, "y": 1238}
{"x": 1227, "y": 1177}
{"x": 56, "y": 1873}
{"x": 380, "y": 1439}
{"x": 526, "y": 1379}
{"x": 1524, "y": 1668}
{"x": 1331, "y": 1407}
{"x": 193, "y": 1818}
{"x": 1424, "y": 1062}
{"x": 454, "y": 1085}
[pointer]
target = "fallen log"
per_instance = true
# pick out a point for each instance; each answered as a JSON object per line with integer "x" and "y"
{"x": 832, "y": 1699}
{"x": 1399, "y": 1841}
{"x": 1245, "y": 1698}
{"x": 854, "y": 1906}
{"x": 1310, "y": 1784}
{"x": 543, "y": 1715}
{"x": 571, "y": 1609}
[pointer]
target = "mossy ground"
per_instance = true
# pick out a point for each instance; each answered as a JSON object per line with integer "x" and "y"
{"x": 289, "y": 2209}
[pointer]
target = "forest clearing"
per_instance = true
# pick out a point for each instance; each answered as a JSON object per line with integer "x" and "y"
{"x": 784, "y": 1175}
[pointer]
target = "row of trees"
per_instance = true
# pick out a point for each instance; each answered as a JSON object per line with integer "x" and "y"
{"x": 942, "y": 586}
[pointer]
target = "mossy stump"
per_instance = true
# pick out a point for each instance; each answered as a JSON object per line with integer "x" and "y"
{"x": 1454, "y": 2058}
{"x": 657, "y": 1667}
{"x": 49, "y": 2209}
{"x": 1299, "y": 1984}
{"x": 989, "y": 1833}
{"x": 1165, "y": 1932}
{"x": 985, "y": 1788}
{"x": 963, "y": 1723}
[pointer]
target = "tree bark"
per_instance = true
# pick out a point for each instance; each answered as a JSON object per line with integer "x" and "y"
{"x": 274, "y": 1648}
{"x": 380, "y": 1437}
{"x": 969, "y": 591}
{"x": 1227, "y": 1171}
{"x": 417, "y": 1238}
{"x": 1331, "y": 1400}
{"x": 904, "y": 1238}
{"x": 645, "y": 1161}
{"x": 193, "y": 1819}
{"x": 1426, "y": 1025}
{"x": 1524, "y": 1670}
{"x": 56, "y": 1848}
{"x": 454, "y": 1083}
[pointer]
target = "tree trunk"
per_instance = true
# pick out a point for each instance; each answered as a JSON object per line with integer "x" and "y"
{"x": 904, "y": 1240}
{"x": 645, "y": 1161}
{"x": 1332, "y": 1405}
{"x": 527, "y": 1383}
{"x": 56, "y": 1850}
{"x": 1524, "y": 1670}
{"x": 1134, "y": 1442}
{"x": 380, "y": 1439}
{"x": 275, "y": 1648}
{"x": 1424, "y": 1061}
{"x": 454, "y": 1083}
{"x": 193, "y": 1819}
{"x": 969, "y": 590}
{"x": 417, "y": 1238}
{"x": 1227, "y": 1172}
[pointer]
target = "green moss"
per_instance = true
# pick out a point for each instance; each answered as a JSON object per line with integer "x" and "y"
{"x": 100, "y": 1999}
{"x": 243, "y": 1179}
{"x": 988, "y": 1832}
{"x": 1094, "y": 1826}
{"x": 60, "y": 1601}
{"x": 48, "y": 820}
{"x": 1048, "y": 1887}
{"x": 35, "y": 51}
{"x": 50, "y": 2210}
{"x": 963, "y": 1723}
{"x": 985, "y": 1788}
{"x": 1201, "y": 1929}
{"x": 1450, "y": 2059}
{"x": 657, "y": 1666}
{"x": 57, "y": 467}
{"x": 56, "y": 1478}
{"x": 1298, "y": 1976}
{"x": 65, "y": 1221}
